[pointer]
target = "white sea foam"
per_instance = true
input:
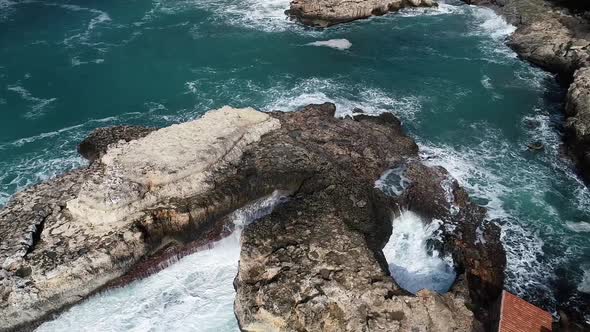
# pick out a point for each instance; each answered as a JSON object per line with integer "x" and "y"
{"x": 100, "y": 18}
{"x": 442, "y": 9}
{"x": 584, "y": 285}
{"x": 394, "y": 181}
{"x": 265, "y": 15}
{"x": 414, "y": 265}
{"x": 486, "y": 82}
{"x": 90, "y": 123}
{"x": 31, "y": 169}
{"x": 492, "y": 23}
{"x": 339, "y": 44}
{"x": 489, "y": 24}
{"x": 578, "y": 227}
{"x": 77, "y": 62}
{"x": 371, "y": 101}
{"x": 6, "y": 9}
{"x": 500, "y": 176}
{"x": 194, "y": 294}
{"x": 38, "y": 106}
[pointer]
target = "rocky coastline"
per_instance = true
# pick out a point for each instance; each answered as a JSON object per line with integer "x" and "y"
{"x": 324, "y": 13}
{"x": 315, "y": 262}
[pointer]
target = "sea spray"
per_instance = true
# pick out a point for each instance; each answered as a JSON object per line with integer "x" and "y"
{"x": 412, "y": 263}
{"x": 194, "y": 294}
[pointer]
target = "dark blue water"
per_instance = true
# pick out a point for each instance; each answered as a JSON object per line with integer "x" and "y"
{"x": 69, "y": 67}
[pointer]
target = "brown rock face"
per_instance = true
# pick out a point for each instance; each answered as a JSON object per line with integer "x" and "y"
{"x": 316, "y": 262}
{"x": 323, "y": 13}
{"x": 578, "y": 122}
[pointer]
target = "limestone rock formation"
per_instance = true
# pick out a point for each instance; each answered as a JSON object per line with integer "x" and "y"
{"x": 317, "y": 259}
{"x": 323, "y": 13}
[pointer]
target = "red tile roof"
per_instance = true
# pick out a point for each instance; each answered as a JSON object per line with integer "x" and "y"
{"x": 517, "y": 315}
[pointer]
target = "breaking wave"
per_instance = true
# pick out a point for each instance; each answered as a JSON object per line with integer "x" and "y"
{"x": 197, "y": 286}
{"x": 412, "y": 262}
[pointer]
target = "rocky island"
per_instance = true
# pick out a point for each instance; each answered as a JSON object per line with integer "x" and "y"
{"x": 323, "y": 13}
{"x": 314, "y": 263}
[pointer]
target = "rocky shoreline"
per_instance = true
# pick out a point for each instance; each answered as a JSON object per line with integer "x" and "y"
{"x": 314, "y": 263}
{"x": 324, "y": 13}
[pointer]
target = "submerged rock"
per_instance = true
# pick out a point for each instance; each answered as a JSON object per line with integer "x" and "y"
{"x": 535, "y": 146}
{"x": 323, "y": 13}
{"x": 315, "y": 262}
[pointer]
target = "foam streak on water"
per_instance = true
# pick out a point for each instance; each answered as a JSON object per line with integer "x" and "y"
{"x": 339, "y": 44}
{"x": 194, "y": 294}
{"x": 412, "y": 264}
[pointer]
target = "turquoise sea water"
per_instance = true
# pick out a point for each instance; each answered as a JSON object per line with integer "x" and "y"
{"x": 67, "y": 67}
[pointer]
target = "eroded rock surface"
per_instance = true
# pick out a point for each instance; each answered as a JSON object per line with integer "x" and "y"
{"x": 305, "y": 269}
{"x": 316, "y": 259}
{"x": 324, "y": 13}
{"x": 578, "y": 118}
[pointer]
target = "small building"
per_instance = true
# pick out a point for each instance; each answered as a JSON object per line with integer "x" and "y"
{"x": 517, "y": 315}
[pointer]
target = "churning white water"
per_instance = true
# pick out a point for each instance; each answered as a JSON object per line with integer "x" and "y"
{"x": 412, "y": 264}
{"x": 194, "y": 294}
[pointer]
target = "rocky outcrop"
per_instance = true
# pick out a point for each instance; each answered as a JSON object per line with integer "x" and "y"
{"x": 304, "y": 268}
{"x": 577, "y": 125}
{"x": 323, "y": 13}
{"x": 316, "y": 259}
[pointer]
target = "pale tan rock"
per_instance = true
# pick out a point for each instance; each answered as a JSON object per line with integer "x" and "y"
{"x": 90, "y": 219}
{"x": 328, "y": 12}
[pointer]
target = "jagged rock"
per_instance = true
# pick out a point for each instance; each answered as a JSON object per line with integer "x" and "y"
{"x": 324, "y": 13}
{"x": 578, "y": 122}
{"x": 66, "y": 238}
{"x": 304, "y": 268}
{"x": 554, "y": 43}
